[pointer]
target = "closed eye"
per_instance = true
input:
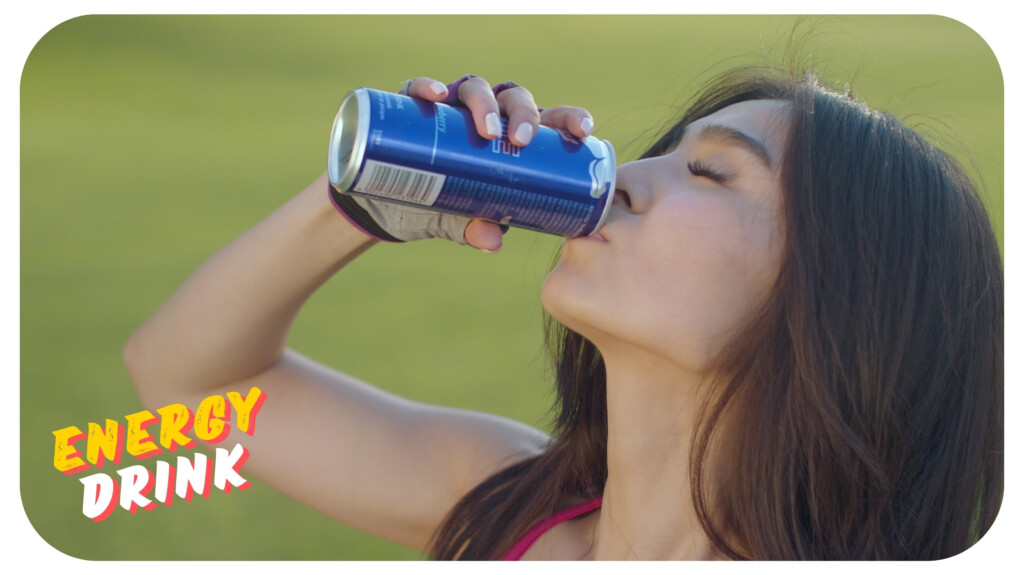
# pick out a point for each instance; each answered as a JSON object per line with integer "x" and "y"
{"x": 702, "y": 170}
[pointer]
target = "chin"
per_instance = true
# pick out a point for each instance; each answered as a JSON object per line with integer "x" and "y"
{"x": 552, "y": 293}
{"x": 567, "y": 299}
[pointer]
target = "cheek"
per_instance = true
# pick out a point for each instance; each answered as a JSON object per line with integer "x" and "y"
{"x": 718, "y": 238}
{"x": 709, "y": 263}
{"x": 691, "y": 242}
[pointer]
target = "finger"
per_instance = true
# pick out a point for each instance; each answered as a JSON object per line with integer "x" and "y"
{"x": 426, "y": 88}
{"x": 475, "y": 94}
{"x": 523, "y": 117}
{"x": 484, "y": 235}
{"x": 576, "y": 121}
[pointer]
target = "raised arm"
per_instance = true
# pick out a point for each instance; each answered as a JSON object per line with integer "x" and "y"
{"x": 378, "y": 462}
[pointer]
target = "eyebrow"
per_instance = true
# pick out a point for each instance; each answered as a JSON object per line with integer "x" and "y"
{"x": 732, "y": 137}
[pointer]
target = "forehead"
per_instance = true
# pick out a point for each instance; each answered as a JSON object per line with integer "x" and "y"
{"x": 764, "y": 120}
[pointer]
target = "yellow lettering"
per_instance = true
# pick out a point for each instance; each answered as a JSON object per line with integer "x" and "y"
{"x": 104, "y": 443}
{"x": 247, "y": 408}
{"x": 66, "y": 457}
{"x": 175, "y": 422}
{"x": 138, "y": 441}
{"x": 210, "y": 417}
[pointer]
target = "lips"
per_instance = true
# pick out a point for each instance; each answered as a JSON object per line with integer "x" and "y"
{"x": 594, "y": 237}
{"x": 603, "y": 234}
{"x": 598, "y": 236}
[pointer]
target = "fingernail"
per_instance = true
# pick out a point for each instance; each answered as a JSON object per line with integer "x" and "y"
{"x": 494, "y": 251}
{"x": 493, "y": 125}
{"x": 587, "y": 125}
{"x": 438, "y": 88}
{"x": 524, "y": 133}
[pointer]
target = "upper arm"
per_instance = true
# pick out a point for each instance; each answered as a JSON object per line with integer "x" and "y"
{"x": 378, "y": 462}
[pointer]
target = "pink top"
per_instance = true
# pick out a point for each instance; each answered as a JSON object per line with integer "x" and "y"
{"x": 541, "y": 528}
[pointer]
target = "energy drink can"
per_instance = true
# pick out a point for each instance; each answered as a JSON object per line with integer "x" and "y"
{"x": 401, "y": 149}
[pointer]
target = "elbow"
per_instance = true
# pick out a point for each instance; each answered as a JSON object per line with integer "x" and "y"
{"x": 136, "y": 365}
{"x": 130, "y": 356}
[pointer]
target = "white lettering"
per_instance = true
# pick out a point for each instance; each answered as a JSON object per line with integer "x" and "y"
{"x": 98, "y": 496}
{"x": 225, "y": 468}
{"x": 442, "y": 123}
{"x": 135, "y": 481}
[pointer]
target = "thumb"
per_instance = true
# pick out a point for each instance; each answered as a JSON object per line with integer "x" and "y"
{"x": 484, "y": 235}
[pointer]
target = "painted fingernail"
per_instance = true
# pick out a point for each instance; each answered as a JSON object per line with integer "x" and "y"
{"x": 524, "y": 133}
{"x": 493, "y": 124}
{"x": 587, "y": 125}
{"x": 438, "y": 88}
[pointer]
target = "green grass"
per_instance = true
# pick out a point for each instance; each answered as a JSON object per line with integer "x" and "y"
{"x": 147, "y": 143}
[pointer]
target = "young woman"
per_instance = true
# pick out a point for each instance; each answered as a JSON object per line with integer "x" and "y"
{"x": 785, "y": 343}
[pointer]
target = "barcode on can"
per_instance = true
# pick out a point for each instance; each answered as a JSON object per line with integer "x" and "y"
{"x": 399, "y": 182}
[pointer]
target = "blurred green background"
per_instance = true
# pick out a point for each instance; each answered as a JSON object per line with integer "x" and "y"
{"x": 147, "y": 143}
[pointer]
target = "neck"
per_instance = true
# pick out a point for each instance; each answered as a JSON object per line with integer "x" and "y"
{"x": 647, "y": 511}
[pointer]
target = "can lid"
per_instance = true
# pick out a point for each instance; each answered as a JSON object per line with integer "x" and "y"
{"x": 348, "y": 140}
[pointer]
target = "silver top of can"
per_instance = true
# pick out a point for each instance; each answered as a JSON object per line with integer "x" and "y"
{"x": 348, "y": 139}
{"x": 603, "y": 171}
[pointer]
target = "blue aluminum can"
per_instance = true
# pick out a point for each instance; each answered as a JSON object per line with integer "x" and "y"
{"x": 395, "y": 148}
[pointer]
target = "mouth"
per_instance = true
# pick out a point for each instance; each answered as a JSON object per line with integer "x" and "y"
{"x": 594, "y": 237}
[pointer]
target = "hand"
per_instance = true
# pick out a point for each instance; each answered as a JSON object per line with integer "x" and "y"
{"x": 407, "y": 223}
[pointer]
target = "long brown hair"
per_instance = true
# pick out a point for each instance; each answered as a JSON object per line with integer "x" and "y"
{"x": 862, "y": 403}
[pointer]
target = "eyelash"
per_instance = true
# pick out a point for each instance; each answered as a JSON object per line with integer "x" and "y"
{"x": 701, "y": 170}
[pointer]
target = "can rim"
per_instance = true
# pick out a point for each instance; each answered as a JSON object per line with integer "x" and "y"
{"x": 610, "y": 193}
{"x": 348, "y": 139}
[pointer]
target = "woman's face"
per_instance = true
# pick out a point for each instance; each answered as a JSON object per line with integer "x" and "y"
{"x": 691, "y": 246}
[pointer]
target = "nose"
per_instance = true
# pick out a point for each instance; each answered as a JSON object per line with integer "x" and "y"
{"x": 633, "y": 186}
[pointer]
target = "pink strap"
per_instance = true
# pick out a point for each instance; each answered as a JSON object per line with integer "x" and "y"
{"x": 541, "y": 528}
